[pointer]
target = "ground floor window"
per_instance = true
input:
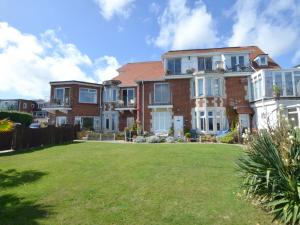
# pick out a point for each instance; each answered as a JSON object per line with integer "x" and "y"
{"x": 162, "y": 121}
{"x": 88, "y": 122}
{"x": 61, "y": 120}
{"x": 293, "y": 117}
{"x": 210, "y": 119}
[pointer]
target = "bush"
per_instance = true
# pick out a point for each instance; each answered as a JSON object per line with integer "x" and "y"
{"x": 208, "y": 138}
{"x": 17, "y": 117}
{"x": 6, "y": 125}
{"x": 153, "y": 139}
{"x": 188, "y": 135}
{"x": 179, "y": 139}
{"x": 139, "y": 139}
{"x": 170, "y": 139}
{"x": 271, "y": 172}
{"x": 82, "y": 134}
{"x": 228, "y": 138}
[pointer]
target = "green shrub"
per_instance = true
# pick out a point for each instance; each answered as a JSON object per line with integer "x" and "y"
{"x": 6, "y": 125}
{"x": 228, "y": 138}
{"x": 17, "y": 117}
{"x": 188, "y": 135}
{"x": 271, "y": 173}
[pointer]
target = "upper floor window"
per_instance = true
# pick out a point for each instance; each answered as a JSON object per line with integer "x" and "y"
{"x": 162, "y": 93}
{"x": 288, "y": 83}
{"x": 24, "y": 105}
{"x": 237, "y": 61}
{"x": 204, "y": 63}
{"x": 128, "y": 96}
{"x": 62, "y": 95}
{"x": 174, "y": 66}
{"x": 212, "y": 87}
{"x": 87, "y": 95}
{"x": 110, "y": 94}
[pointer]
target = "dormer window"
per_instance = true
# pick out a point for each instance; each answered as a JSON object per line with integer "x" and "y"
{"x": 174, "y": 66}
{"x": 204, "y": 63}
{"x": 261, "y": 60}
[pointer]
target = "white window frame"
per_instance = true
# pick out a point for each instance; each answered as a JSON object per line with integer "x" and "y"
{"x": 162, "y": 102}
{"x": 55, "y": 93}
{"x": 24, "y": 105}
{"x": 59, "y": 118}
{"x": 129, "y": 89}
{"x": 89, "y": 90}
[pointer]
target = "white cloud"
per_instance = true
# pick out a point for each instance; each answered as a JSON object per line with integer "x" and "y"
{"x": 154, "y": 8}
{"x": 111, "y": 8}
{"x": 106, "y": 68}
{"x": 28, "y": 62}
{"x": 272, "y": 25}
{"x": 186, "y": 27}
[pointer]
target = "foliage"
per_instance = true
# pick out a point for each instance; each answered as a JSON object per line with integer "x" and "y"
{"x": 271, "y": 172}
{"x": 229, "y": 138}
{"x": 170, "y": 139}
{"x": 6, "y": 125}
{"x": 186, "y": 130}
{"x": 17, "y": 117}
{"x": 276, "y": 90}
{"x": 188, "y": 135}
{"x": 82, "y": 134}
{"x": 208, "y": 138}
{"x": 171, "y": 131}
{"x": 139, "y": 139}
{"x": 153, "y": 139}
{"x": 179, "y": 139}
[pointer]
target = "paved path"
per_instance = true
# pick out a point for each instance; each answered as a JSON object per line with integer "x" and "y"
{"x": 6, "y": 151}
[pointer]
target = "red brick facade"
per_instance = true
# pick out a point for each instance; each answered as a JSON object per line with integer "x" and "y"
{"x": 77, "y": 108}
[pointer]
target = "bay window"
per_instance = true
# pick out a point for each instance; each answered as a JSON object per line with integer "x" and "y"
{"x": 200, "y": 87}
{"x": 87, "y": 95}
{"x": 174, "y": 66}
{"x": 202, "y": 121}
{"x": 110, "y": 94}
{"x": 210, "y": 121}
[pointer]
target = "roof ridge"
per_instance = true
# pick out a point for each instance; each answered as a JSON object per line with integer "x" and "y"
{"x": 197, "y": 49}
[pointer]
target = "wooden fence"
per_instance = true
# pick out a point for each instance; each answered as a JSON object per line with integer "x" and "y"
{"x": 24, "y": 138}
{"x": 5, "y": 140}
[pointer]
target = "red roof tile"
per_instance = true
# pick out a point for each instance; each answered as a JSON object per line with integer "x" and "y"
{"x": 132, "y": 72}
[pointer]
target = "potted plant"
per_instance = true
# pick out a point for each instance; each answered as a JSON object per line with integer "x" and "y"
{"x": 276, "y": 91}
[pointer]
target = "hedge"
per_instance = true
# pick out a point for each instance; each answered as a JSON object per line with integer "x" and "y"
{"x": 17, "y": 117}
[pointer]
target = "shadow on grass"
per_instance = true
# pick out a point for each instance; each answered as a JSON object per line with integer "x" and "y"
{"x": 13, "y": 178}
{"x": 16, "y": 210}
{"x": 23, "y": 151}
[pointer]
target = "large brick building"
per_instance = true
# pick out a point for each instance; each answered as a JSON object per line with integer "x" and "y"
{"x": 201, "y": 89}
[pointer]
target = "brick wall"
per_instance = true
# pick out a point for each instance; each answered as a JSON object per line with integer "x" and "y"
{"x": 182, "y": 103}
{"x": 78, "y": 109}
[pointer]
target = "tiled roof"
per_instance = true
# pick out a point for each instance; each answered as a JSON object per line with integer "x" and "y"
{"x": 132, "y": 72}
{"x": 254, "y": 52}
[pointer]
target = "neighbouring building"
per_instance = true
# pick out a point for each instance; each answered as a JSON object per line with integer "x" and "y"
{"x": 200, "y": 89}
{"x": 75, "y": 102}
{"x": 21, "y": 105}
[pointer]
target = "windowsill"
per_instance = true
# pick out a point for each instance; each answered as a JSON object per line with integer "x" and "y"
{"x": 89, "y": 103}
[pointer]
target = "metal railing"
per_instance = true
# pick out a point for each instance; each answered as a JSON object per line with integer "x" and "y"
{"x": 122, "y": 104}
{"x": 58, "y": 103}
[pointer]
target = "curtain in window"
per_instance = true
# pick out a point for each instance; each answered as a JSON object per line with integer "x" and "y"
{"x": 162, "y": 93}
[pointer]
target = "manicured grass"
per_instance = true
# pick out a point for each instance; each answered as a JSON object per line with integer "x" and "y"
{"x": 102, "y": 183}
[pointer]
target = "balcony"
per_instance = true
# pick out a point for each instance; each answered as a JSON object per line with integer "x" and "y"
{"x": 58, "y": 104}
{"x": 161, "y": 101}
{"x": 124, "y": 105}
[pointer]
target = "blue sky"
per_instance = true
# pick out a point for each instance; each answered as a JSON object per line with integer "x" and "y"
{"x": 89, "y": 39}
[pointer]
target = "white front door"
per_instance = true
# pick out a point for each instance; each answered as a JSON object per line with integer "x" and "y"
{"x": 162, "y": 122}
{"x": 244, "y": 121}
{"x": 178, "y": 126}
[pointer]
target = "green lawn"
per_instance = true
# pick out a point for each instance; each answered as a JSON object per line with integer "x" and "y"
{"x": 102, "y": 183}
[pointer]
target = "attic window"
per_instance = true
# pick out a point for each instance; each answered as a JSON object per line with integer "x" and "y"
{"x": 263, "y": 60}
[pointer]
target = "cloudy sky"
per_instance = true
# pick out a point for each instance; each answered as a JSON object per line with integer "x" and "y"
{"x": 87, "y": 40}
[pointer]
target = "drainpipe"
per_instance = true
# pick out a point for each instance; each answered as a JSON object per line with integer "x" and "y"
{"x": 143, "y": 97}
